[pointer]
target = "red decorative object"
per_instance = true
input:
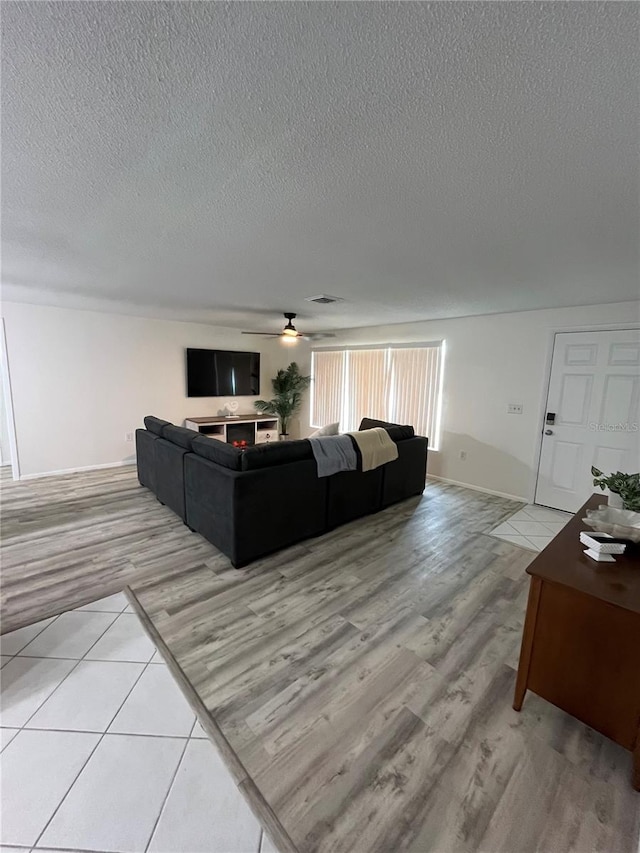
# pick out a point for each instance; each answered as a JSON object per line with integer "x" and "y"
{"x": 242, "y": 445}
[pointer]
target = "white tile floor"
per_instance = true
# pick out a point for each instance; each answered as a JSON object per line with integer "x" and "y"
{"x": 532, "y": 527}
{"x": 100, "y": 750}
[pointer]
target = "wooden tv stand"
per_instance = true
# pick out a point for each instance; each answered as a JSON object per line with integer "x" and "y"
{"x": 264, "y": 428}
{"x": 581, "y": 638}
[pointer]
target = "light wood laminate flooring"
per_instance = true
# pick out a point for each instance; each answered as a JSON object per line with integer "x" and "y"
{"x": 358, "y": 685}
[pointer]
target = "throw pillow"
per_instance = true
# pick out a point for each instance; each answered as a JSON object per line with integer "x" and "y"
{"x": 329, "y": 429}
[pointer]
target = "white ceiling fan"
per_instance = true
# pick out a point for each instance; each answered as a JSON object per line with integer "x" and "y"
{"x": 290, "y": 334}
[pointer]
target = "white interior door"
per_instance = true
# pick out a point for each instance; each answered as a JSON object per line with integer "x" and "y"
{"x": 592, "y": 415}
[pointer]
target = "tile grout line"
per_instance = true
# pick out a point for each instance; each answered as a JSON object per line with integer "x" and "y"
{"x": 89, "y": 660}
{"x": 102, "y": 735}
{"x": 81, "y": 609}
{"x": 11, "y": 657}
{"x": 22, "y": 727}
{"x": 94, "y": 732}
{"x": 100, "y": 739}
{"x": 185, "y": 738}
{"x": 100, "y": 660}
{"x": 500, "y": 538}
{"x": 152, "y": 631}
{"x": 166, "y": 796}
{"x": 35, "y": 637}
{"x": 73, "y": 669}
{"x": 59, "y": 850}
{"x": 522, "y": 515}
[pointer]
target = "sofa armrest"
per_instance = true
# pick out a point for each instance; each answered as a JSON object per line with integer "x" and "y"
{"x": 406, "y": 475}
{"x": 209, "y": 491}
{"x": 146, "y": 458}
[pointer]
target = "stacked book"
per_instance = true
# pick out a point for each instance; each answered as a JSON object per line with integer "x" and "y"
{"x": 601, "y": 546}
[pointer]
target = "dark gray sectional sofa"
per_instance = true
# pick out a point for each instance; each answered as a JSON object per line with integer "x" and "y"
{"x": 252, "y": 502}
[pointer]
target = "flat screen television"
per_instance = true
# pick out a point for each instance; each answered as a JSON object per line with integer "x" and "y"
{"x": 222, "y": 373}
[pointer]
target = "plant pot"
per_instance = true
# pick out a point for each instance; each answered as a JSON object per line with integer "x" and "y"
{"x": 284, "y": 436}
{"x": 615, "y": 501}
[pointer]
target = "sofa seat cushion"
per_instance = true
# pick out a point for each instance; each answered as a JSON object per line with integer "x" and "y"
{"x": 276, "y": 453}
{"x": 218, "y": 451}
{"x": 398, "y": 432}
{"x": 179, "y": 435}
{"x": 156, "y": 425}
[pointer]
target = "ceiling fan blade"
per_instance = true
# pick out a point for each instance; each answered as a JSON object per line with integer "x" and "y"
{"x": 264, "y": 334}
{"x": 318, "y": 336}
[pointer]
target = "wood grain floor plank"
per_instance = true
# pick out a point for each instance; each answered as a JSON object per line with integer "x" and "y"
{"x": 358, "y": 685}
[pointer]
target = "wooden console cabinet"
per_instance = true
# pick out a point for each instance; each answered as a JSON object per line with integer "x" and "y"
{"x": 259, "y": 429}
{"x": 581, "y": 638}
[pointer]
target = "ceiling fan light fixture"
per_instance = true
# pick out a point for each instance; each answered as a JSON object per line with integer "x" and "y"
{"x": 290, "y": 334}
{"x": 290, "y": 330}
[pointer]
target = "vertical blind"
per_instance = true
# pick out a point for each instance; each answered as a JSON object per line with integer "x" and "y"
{"x": 415, "y": 380}
{"x": 328, "y": 387}
{"x": 366, "y": 390}
{"x": 399, "y": 384}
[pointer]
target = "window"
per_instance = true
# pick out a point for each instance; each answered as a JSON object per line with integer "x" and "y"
{"x": 327, "y": 371}
{"x": 366, "y": 386}
{"x": 391, "y": 383}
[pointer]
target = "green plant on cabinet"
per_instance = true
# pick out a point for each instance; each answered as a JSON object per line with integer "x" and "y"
{"x": 625, "y": 485}
{"x": 288, "y": 387}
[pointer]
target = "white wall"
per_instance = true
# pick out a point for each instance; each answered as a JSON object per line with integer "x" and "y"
{"x": 491, "y": 361}
{"x": 81, "y": 380}
{"x": 5, "y": 451}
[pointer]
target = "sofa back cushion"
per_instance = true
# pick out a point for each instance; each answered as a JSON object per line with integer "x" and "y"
{"x": 155, "y": 425}
{"x": 397, "y": 432}
{"x": 179, "y": 435}
{"x": 406, "y": 475}
{"x": 277, "y": 453}
{"x": 218, "y": 451}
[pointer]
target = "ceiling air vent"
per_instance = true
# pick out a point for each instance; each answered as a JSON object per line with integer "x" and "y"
{"x": 323, "y": 299}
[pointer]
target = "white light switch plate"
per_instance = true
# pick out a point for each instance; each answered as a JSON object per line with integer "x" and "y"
{"x": 514, "y": 408}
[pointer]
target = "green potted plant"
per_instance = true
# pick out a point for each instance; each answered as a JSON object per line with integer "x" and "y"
{"x": 623, "y": 487}
{"x": 630, "y": 493}
{"x": 288, "y": 387}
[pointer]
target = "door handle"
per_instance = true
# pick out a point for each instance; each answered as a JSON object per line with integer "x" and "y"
{"x": 548, "y": 432}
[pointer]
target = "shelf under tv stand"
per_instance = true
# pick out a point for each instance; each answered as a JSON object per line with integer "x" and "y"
{"x": 254, "y": 429}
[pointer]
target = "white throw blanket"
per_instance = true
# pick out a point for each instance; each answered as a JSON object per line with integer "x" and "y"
{"x": 376, "y": 448}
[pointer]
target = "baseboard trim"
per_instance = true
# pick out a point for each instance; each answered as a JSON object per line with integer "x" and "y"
{"x": 518, "y": 498}
{"x": 62, "y": 471}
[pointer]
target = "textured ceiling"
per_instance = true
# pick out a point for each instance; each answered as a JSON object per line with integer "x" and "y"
{"x": 223, "y": 161}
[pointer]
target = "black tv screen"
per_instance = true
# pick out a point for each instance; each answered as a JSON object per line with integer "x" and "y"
{"x": 222, "y": 373}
